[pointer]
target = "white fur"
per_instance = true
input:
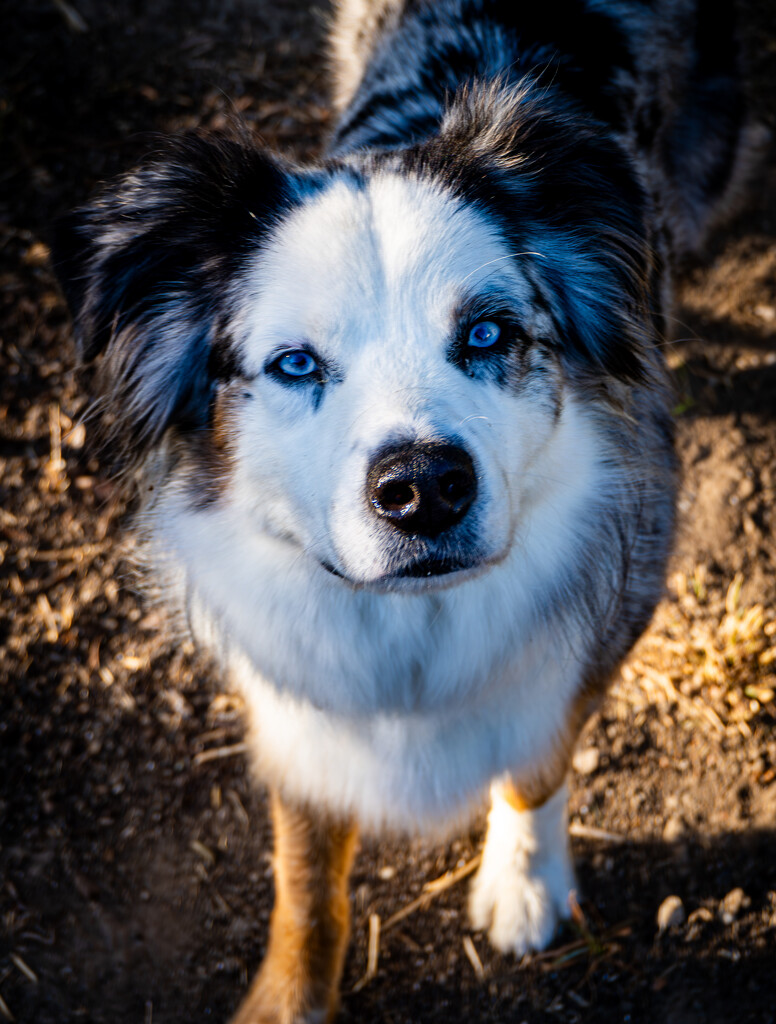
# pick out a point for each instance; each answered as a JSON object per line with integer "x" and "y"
{"x": 395, "y": 707}
{"x": 396, "y": 702}
{"x": 522, "y": 887}
{"x": 371, "y": 279}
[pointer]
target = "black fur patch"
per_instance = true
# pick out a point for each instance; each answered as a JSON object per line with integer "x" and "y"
{"x": 572, "y": 47}
{"x": 707, "y": 131}
{"x": 146, "y": 268}
{"x": 563, "y": 45}
{"x": 555, "y": 183}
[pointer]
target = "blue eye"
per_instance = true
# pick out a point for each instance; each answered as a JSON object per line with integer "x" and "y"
{"x": 297, "y": 364}
{"x": 484, "y": 334}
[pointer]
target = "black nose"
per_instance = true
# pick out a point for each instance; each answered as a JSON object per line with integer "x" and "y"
{"x": 422, "y": 488}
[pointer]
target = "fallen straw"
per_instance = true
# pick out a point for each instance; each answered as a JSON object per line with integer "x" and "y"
{"x": 590, "y": 832}
{"x": 693, "y": 708}
{"x": 473, "y": 956}
{"x": 25, "y": 968}
{"x": 432, "y": 889}
{"x": 5, "y": 1011}
{"x": 216, "y": 753}
{"x": 373, "y": 953}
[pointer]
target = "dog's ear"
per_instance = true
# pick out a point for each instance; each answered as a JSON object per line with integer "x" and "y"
{"x": 560, "y": 188}
{"x": 148, "y": 267}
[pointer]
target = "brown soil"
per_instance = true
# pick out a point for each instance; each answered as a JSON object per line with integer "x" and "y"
{"x": 134, "y": 873}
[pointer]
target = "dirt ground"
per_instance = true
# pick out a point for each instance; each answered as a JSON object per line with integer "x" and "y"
{"x": 135, "y": 883}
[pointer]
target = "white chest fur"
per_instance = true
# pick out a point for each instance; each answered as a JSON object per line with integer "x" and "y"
{"x": 398, "y": 708}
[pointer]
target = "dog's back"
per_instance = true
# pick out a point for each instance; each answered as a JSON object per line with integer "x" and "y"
{"x": 664, "y": 76}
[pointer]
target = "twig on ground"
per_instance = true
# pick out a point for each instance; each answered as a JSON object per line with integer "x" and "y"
{"x": 216, "y": 753}
{"x": 373, "y": 953}
{"x": 73, "y": 19}
{"x": 473, "y": 956}
{"x": 25, "y": 968}
{"x": 581, "y": 831}
{"x": 77, "y": 553}
{"x": 5, "y": 1010}
{"x": 432, "y": 889}
{"x": 552, "y": 959}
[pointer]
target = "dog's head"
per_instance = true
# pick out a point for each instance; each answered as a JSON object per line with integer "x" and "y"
{"x": 384, "y": 360}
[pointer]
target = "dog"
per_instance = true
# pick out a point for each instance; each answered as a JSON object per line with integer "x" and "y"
{"x": 401, "y": 422}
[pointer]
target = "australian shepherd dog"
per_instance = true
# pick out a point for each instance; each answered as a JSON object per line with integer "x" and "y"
{"x": 402, "y": 427}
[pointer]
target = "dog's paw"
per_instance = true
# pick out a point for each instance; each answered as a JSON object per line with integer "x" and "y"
{"x": 259, "y": 1010}
{"x": 521, "y": 890}
{"x": 274, "y": 999}
{"x": 518, "y": 903}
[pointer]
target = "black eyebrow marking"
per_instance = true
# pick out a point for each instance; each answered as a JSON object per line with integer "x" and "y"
{"x": 494, "y": 304}
{"x": 490, "y": 363}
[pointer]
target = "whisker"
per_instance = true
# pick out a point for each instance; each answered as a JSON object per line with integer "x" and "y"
{"x": 474, "y": 416}
{"x": 498, "y": 259}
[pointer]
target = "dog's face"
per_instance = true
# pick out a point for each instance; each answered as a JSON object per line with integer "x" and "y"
{"x": 386, "y": 356}
{"x": 399, "y": 384}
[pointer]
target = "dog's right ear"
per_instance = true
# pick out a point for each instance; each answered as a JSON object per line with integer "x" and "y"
{"x": 149, "y": 269}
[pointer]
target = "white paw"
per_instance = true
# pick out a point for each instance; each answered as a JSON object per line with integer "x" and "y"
{"x": 517, "y": 909}
{"x": 521, "y": 890}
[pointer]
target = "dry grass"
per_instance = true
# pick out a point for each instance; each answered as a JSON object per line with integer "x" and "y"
{"x": 708, "y": 654}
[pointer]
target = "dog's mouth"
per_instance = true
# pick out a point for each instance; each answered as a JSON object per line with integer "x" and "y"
{"x": 335, "y": 572}
{"x": 421, "y": 569}
{"x": 427, "y": 567}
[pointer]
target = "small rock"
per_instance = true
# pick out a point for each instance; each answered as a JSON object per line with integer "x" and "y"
{"x": 731, "y": 905}
{"x": 673, "y": 829}
{"x": 701, "y": 915}
{"x": 619, "y": 746}
{"x": 745, "y": 488}
{"x": 696, "y": 923}
{"x": 586, "y": 761}
{"x": 670, "y": 913}
{"x": 38, "y": 253}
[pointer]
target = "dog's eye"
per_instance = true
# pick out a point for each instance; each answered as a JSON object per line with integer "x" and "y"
{"x": 484, "y": 334}
{"x": 297, "y": 364}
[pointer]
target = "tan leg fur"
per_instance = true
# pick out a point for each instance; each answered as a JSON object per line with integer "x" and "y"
{"x": 298, "y": 982}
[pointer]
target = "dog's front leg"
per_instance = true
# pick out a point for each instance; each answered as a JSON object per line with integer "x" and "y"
{"x": 298, "y": 982}
{"x": 522, "y": 888}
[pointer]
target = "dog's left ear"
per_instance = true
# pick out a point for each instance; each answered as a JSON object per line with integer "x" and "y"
{"x": 148, "y": 268}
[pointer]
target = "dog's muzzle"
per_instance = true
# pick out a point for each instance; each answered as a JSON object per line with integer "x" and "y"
{"x": 422, "y": 489}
